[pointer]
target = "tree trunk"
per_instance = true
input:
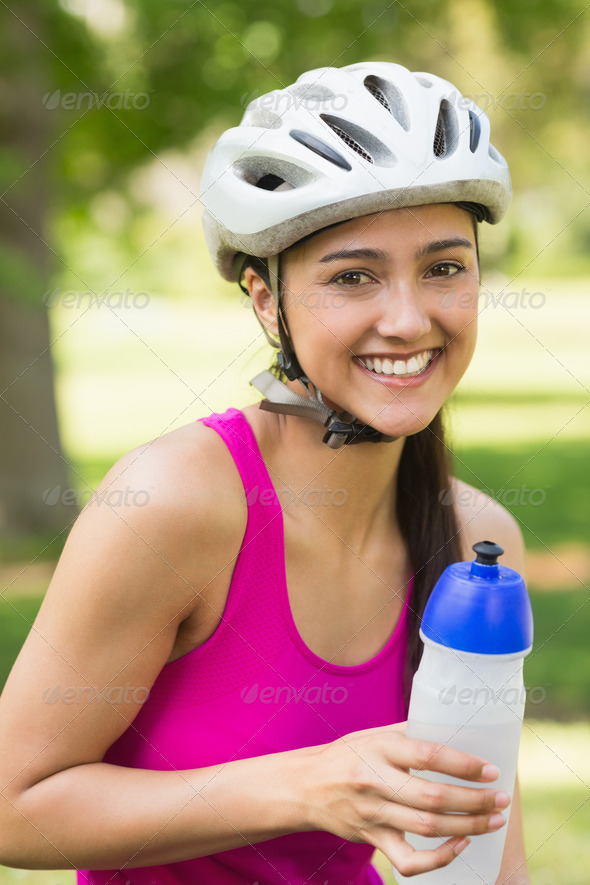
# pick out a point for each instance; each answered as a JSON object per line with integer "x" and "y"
{"x": 31, "y": 460}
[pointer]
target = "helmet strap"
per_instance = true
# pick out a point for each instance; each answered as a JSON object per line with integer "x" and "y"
{"x": 287, "y": 359}
{"x": 342, "y": 429}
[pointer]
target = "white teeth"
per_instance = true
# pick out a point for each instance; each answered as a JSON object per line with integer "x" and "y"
{"x": 385, "y": 366}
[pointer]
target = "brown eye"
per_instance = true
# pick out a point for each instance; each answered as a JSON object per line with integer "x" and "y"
{"x": 445, "y": 269}
{"x": 352, "y": 278}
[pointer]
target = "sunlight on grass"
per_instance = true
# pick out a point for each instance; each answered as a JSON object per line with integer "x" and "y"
{"x": 127, "y": 375}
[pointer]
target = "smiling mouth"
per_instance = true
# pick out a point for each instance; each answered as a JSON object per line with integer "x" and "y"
{"x": 409, "y": 368}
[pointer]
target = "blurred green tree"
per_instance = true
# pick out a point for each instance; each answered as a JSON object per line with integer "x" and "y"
{"x": 95, "y": 89}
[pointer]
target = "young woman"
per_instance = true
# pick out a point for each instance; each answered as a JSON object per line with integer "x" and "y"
{"x": 215, "y": 688}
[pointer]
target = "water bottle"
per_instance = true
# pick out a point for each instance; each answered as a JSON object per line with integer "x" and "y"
{"x": 468, "y": 692}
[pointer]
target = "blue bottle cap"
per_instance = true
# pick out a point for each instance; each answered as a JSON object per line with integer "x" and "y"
{"x": 480, "y": 606}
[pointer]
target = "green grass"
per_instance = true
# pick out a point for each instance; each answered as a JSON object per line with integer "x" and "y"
{"x": 557, "y": 671}
{"x": 546, "y": 486}
{"x": 36, "y": 877}
{"x": 16, "y": 618}
{"x": 42, "y": 547}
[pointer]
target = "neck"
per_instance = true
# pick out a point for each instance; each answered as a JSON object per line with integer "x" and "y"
{"x": 352, "y": 490}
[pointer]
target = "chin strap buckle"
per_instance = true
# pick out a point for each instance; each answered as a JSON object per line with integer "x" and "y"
{"x": 290, "y": 366}
{"x": 341, "y": 434}
{"x": 279, "y": 398}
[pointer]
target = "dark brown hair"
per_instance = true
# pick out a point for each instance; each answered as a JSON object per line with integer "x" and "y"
{"x": 427, "y": 523}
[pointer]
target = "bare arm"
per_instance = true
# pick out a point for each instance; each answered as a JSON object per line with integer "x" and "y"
{"x": 99, "y": 816}
{"x": 514, "y": 868}
{"x": 127, "y": 579}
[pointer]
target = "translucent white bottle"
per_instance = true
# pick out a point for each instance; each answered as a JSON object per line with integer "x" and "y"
{"x": 468, "y": 691}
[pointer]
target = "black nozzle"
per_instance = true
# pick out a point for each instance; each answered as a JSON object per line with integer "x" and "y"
{"x": 487, "y": 552}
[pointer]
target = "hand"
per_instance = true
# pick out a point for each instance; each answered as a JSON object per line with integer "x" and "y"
{"x": 362, "y": 791}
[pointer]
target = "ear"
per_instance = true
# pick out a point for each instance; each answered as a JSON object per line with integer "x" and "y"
{"x": 262, "y": 300}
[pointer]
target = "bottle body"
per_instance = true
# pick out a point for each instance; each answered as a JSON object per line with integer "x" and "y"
{"x": 475, "y": 703}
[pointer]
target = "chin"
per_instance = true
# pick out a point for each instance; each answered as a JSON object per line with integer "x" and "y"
{"x": 401, "y": 426}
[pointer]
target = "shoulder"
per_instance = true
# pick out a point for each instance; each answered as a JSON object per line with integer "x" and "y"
{"x": 189, "y": 470}
{"x": 480, "y": 518}
{"x": 178, "y": 499}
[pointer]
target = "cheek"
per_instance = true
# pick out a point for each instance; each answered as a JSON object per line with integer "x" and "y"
{"x": 461, "y": 326}
{"x": 320, "y": 319}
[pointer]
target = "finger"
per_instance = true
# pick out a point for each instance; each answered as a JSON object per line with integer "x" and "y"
{"x": 432, "y": 824}
{"x": 410, "y": 862}
{"x": 427, "y": 795}
{"x": 430, "y": 756}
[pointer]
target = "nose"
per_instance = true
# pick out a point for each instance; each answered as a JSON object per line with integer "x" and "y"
{"x": 402, "y": 314}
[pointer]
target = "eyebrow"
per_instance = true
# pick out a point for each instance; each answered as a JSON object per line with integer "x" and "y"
{"x": 379, "y": 255}
{"x": 371, "y": 254}
{"x": 441, "y": 245}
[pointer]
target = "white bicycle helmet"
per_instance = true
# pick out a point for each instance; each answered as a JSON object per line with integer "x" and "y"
{"x": 338, "y": 144}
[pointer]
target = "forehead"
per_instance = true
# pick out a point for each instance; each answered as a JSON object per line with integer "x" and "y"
{"x": 396, "y": 229}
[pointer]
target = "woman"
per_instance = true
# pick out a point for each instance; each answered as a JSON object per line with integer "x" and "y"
{"x": 271, "y": 747}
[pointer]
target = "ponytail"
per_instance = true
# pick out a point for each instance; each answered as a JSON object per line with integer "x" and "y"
{"x": 427, "y": 522}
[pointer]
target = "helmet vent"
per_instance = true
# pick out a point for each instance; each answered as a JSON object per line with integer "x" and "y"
{"x": 363, "y": 143}
{"x": 320, "y": 148}
{"x": 474, "y": 131}
{"x": 260, "y": 117}
{"x": 270, "y": 182}
{"x": 312, "y": 93}
{"x": 439, "y": 138}
{"x": 390, "y": 97}
{"x": 377, "y": 93}
{"x": 349, "y": 141}
{"x": 495, "y": 156}
{"x": 271, "y": 174}
{"x": 445, "y": 134}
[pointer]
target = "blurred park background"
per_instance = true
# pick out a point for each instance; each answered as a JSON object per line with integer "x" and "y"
{"x": 114, "y": 328}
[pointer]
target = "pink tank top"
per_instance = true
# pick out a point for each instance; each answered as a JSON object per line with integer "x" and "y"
{"x": 255, "y": 688}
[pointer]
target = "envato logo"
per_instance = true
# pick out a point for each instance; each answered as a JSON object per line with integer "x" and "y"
{"x": 516, "y": 300}
{"x": 509, "y": 101}
{"x": 324, "y": 497}
{"x": 309, "y": 300}
{"x": 481, "y": 696}
{"x": 114, "y": 101}
{"x": 279, "y": 102}
{"x": 522, "y": 497}
{"x": 115, "y": 694}
{"x": 286, "y": 694}
{"x": 126, "y": 497}
{"x": 71, "y": 300}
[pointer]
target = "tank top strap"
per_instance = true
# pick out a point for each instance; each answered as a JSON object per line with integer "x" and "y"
{"x": 255, "y": 605}
{"x": 264, "y": 510}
